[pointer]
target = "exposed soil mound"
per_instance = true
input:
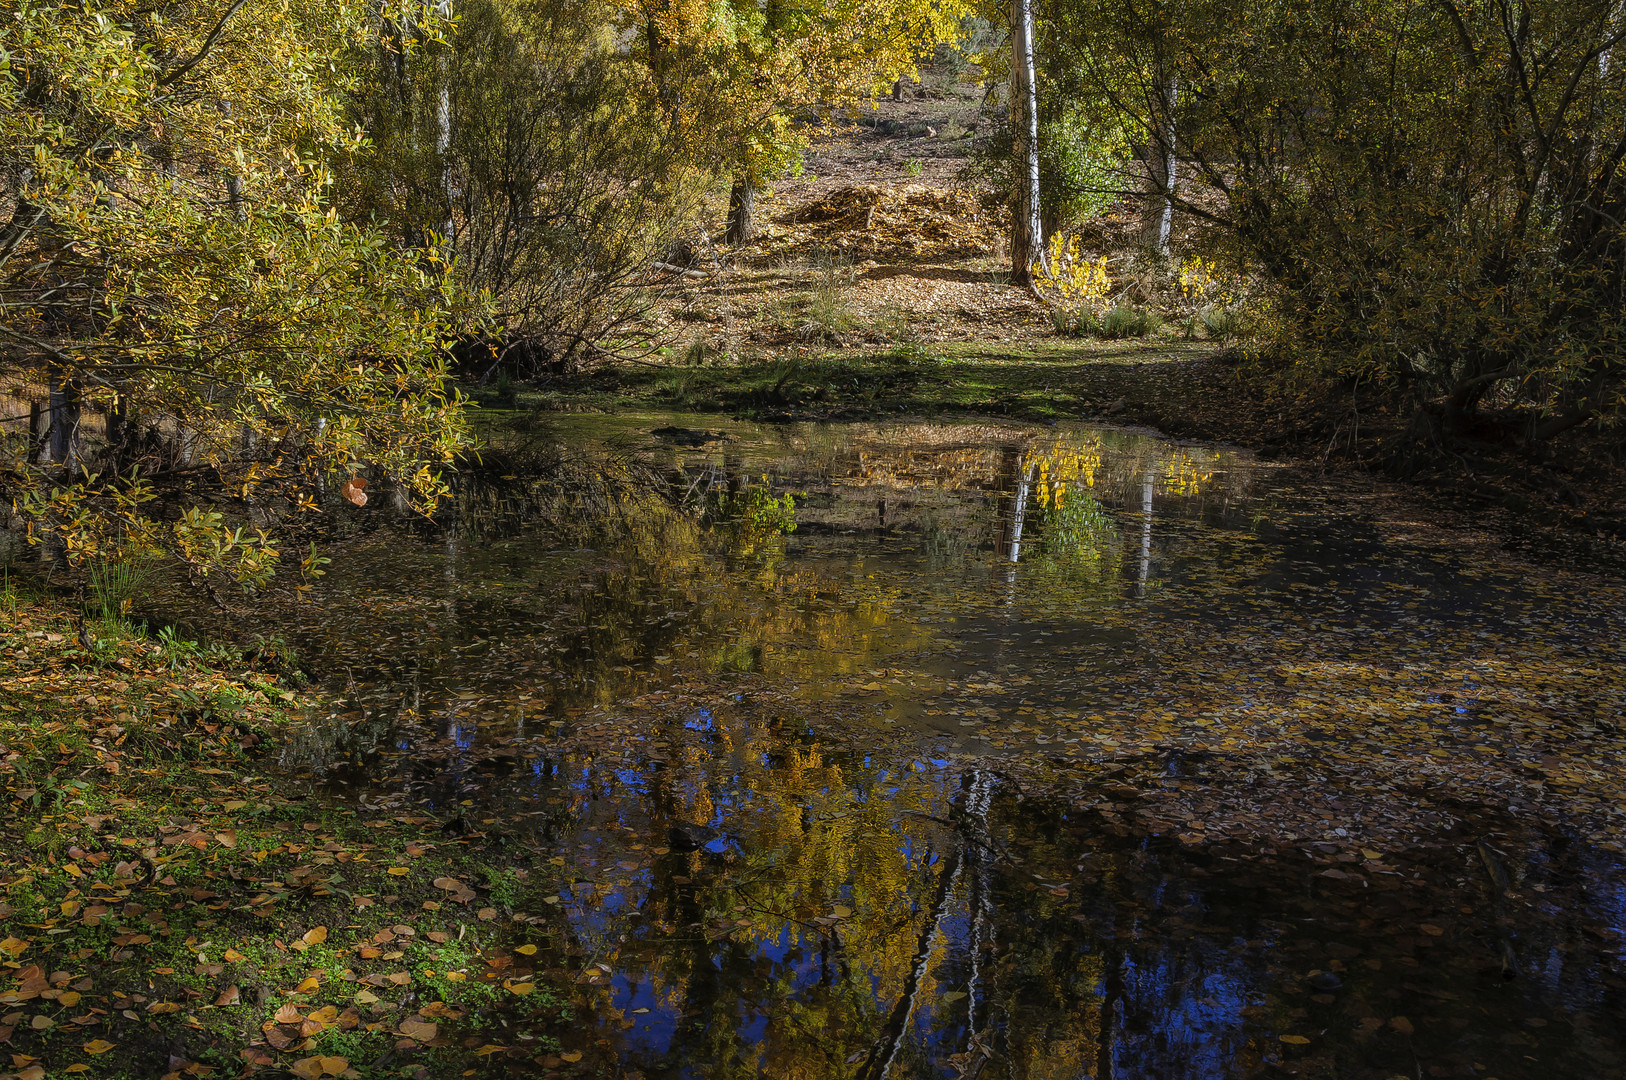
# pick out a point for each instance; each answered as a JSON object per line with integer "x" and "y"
{"x": 912, "y": 221}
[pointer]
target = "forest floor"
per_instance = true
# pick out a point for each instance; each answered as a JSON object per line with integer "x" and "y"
{"x": 171, "y": 906}
{"x": 878, "y": 286}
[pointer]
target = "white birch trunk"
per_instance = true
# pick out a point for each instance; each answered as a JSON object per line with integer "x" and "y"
{"x": 1166, "y": 223}
{"x": 1027, "y": 232}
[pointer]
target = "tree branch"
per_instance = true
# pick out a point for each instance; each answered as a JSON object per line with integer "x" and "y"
{"x": 204, "y": 49}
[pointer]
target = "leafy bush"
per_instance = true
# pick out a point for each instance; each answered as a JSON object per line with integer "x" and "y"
{"x": 1222, "y": 323}
{"x": 1125, "y": 321}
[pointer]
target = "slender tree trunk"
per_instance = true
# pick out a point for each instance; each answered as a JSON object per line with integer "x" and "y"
{"x": 64, "y": 423}
{"x": 234, "y": 182}
{"x": 1157, "y": 220}
{"x": 741, "y": 213}
{"x": 116, "y": 418}
{"x": 39, "y": 426}
{"x": 1027, "y": 231}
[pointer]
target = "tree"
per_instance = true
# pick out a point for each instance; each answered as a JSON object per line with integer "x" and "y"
{"x": 1027, "y": 231}
{"x": 729, "y": 75}
{"x": 170, "y": 258}
{"x": 528, "y": 144}
{"x": 1433, "y": 190}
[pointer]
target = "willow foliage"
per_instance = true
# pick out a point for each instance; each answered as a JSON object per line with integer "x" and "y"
{"x": 1433, "y": 187}
{"x": 170, "y": 257}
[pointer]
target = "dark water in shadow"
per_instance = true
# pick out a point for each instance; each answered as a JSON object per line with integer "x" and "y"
{"x": 1030, "y": 752}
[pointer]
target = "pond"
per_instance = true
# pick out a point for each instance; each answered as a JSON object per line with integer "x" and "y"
{"x": 977, "y": 750}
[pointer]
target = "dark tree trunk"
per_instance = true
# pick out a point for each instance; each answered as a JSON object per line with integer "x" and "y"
{"x": 39, "y": 425}
{"x": 64, "y": 423}
{"x": 117, "y": 418}
{"x": 741, "y": 213}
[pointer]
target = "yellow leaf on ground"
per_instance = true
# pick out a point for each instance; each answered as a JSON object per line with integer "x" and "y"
{"x": 315, "y": 935}
{"x": 526, "y": 950}
{"x": 573, "y": 1056}
{"x": 98, "y": 1046}
{"x": 1295, "y": 1040}
{"x": 399, "y": 871}
{"x": 488, "y": 1049}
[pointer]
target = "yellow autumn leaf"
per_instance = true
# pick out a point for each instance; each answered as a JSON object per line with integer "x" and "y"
{"x": 572, "y": 1057}
{"x": 1295, "y": 1040}
{"x": 526, "y": 950}
{"x": 399, "y": 871}
{"x": 98, "y": 1046}
{"x": 315, "y": 935}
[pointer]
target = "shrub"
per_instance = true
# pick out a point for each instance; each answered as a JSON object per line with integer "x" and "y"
{"x": 1125, "y": 321}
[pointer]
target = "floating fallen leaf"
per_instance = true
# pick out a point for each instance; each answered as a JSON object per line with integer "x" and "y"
{"x": 488, "y": 1049}
{"x": 98, "y": 1046}
{"x": 1402, "y": 1025}
{"x": 1295, "y": 1040}
{"x": 421, "y": 1030}
{"x": 526, "y": 950}
{"x": 572, "y": 1057}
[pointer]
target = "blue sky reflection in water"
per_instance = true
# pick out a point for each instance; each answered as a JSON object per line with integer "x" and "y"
{"x": 1030, "y": 752}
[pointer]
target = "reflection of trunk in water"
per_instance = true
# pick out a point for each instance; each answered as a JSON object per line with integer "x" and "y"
{"x": 979, "y": 999}
{"x": 1147, "y": 483}
{"x": 974, "y": 851}
{"x": 1015, "y": 483}
{"x": 886, "y": 1048}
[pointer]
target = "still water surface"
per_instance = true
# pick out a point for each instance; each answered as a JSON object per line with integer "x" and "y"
{"x": 1029, "y": 752}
